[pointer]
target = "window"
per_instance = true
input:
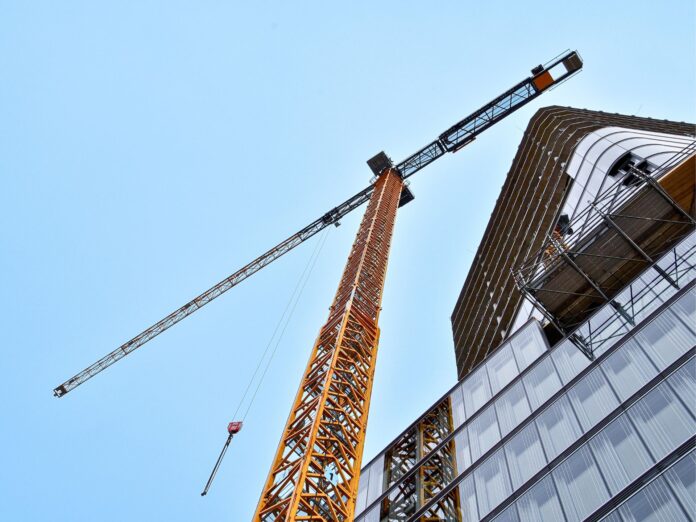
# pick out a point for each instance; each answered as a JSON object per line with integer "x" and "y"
{"x": 621, "y": 455}
{"x": 458, "y": 415}
{"x": 682, "y": 478}
{"x": 665, "y": 339}
{"x": 569, "y": 360}
{"x": 461, "y": 445}
{"x": 686, "y": 308}
{"x": 361, "y": 502}
{"x": 502, "y": 368}
{"x": 662, "y": 421}
{"x": 527, "y": 345}
{"x": 376, "y": 485}
{"x": 492, "y": 483}
{"x": 580, "y": 485}
{"x": 476, "y": 391}
{"x": 483, "y": 432}
{"x": 652, "y": 503}
{"x": 628, "y": 369}
{"x": 525, "y": 455}
{"x": 541, "y": 382}
{"x": 592, "y": 398}
{"x": 467, "y": 493}
{"x": 540, "y": 502}
{"x": 558, "y": 427}
{"x": 512, "y": 408}
{"x": 683, "y": 382}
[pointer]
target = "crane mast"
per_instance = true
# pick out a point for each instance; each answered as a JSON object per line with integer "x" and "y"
{"x": 315, "y": 472}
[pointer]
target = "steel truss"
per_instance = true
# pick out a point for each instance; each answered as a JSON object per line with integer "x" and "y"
{"x": 432, "y": 475}
{"x": 314, "y": 476}
{"x": 603, "y": 214}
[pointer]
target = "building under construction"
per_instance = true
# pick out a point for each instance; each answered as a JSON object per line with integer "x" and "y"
{"x": 574, "y": 334}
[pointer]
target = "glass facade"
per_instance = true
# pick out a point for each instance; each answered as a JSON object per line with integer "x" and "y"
{"x": 545, "y": 434}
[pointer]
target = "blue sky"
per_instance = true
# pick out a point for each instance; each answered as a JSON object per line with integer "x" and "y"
{"x": 148, "y": 149}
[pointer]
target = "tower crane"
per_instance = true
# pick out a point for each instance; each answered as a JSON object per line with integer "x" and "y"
{"x": 315, "y": 472}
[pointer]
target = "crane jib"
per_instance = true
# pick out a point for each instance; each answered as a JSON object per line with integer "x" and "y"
{"x": 453, "y": 139}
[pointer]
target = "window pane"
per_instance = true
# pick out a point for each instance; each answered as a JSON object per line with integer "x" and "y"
{"x": 541, "y": 502}
{"x": 467, "y": 493}
{"x": 628, "y": 369}
{"x": 665, "y": 339}
{"x": 541, "y": 382}
{"x": 502, "y": 368}
{"x": 461, "y": 445}
{"x": 686, "y": 308}
{"x": 476, "y": 391}
{"x": 525, "y": 456}
{"x": 621, "y": 455}
{"x": 682, "y": 478}
{"x": 375, "y": 486}
{"x": 580, "y": 485}
{"x": 512, "y": 408}
{"x": 528, "y": 345}
{"x": 569, "y": 360}
{"x": 492, "y": 483}
{"x": 483, "y": 432}
{"x": 361, "y": 502}
{"x": 558, "y": 427}
{"x": 592, "y": 398}
{"x": 652, "y": 503}
{"x": 458, "y": 415}
{"x": 662, "y": 421}
{"x": 683, "y": 382}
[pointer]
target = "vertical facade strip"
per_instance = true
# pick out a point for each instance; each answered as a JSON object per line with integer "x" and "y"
{"x": 315, "y": 472}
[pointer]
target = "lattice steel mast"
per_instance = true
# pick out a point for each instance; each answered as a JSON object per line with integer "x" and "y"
{"x": 315, "y": 472}
{"x": 453, "y": 139}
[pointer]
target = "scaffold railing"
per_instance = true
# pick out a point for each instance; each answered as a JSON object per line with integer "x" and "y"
{"x": 623, "y": 232}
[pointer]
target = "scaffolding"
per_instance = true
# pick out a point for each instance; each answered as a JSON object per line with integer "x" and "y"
{"x": 625, "y": 230}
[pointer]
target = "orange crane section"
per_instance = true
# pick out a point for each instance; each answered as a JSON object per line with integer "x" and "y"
{"x": 316, "y": 468}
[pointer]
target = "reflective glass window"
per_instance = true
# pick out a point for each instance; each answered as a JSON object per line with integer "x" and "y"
{"x": 541, "y": 502}
{"x": 461, "y": 445}
{"x": 665, "y": 339}
{"x": 628, "y": 369}
{"x": 525, "y": 455}
{"x": 683, "y": 382}
{"x": 653, "y": 503}
{"x": 592, "y": 398}
{"x": 558, "y": 427}
{"x": 361, "y": 501}
{"x": 685, "y": 307}
{"x": 682, "y": 478}
{"x": 621, "y": 455}
{"x": 476, "y": 391}
{"x": 527, "y": 345}
{"x": 483, "y": 432}
{"x": 541, "y": 382}
{"x": 492, "y": 483}
{"x": 512, "y": 407}
{"x": 376, "y": 484}
{"x": 457, "y": 400}
{"x": 502, "y": 368}
{"x": 662, "y": 421}
{"x": 467, "y": 495}
{"x": 580, "y": 485}
{"x": 569, "y": 360}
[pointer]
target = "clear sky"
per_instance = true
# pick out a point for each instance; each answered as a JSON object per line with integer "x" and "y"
{"x": 148, "y": 149}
